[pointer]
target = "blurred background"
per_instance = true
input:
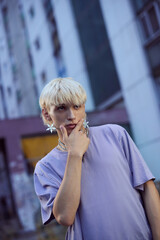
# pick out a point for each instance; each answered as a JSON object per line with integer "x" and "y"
{"x": 112, "y": 48}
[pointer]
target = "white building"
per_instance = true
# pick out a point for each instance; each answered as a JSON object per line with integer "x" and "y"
{"x": 8, "y": 101}
{"x": 55, "y": 49}
{"x": 39, "y": 38}
{"x": 17, "y": 82}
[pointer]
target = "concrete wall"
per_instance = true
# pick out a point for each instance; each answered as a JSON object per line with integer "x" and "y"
{"x": 24, "y": 82}
{"x": 8, "y": 100}
{"x": 43, "y": 58}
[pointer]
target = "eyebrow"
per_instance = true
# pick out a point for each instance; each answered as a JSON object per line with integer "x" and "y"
{"x": 67, "y": 104}
{"x": 62, "y": 104}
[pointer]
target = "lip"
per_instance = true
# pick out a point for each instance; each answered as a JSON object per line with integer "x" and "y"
{"x": 71, "y": 126}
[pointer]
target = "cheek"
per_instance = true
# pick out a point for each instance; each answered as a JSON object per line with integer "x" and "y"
{"x": 60, "y": 117}
{"x": 81, "y": 114}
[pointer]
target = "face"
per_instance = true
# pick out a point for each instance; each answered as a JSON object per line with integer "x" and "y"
{"x": 67, "y": 115}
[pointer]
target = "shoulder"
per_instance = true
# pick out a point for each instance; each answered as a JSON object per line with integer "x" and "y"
{"x": 42, "y": 164}
{"x": 109, "y": 128}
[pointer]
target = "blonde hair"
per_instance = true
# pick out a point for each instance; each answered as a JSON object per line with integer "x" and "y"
{"x": 61, "y": 91}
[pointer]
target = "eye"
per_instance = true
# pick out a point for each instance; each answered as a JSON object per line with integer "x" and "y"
{"x": 60, "y": 108}
{"x": 76, "y": 106}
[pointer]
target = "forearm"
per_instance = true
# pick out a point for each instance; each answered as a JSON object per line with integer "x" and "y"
{"x": 68, "y": 196}
{"x": 151, "y": 201}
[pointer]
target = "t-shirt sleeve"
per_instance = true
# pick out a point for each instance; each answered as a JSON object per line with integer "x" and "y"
{"x": 46, "y": 186}
{"x": 139, "y": 169}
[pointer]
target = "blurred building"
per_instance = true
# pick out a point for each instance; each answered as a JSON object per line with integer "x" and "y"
{"x": 16, "y": 76}
{"x": 133, "y": 28}
{"x": 54, "y": 53}
{"x": 110, "y": 47}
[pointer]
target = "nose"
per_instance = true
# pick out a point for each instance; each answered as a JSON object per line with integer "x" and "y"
{"x": 71, "y": 114}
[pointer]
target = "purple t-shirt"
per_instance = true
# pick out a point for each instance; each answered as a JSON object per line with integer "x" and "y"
{"x": 113, "y": 174}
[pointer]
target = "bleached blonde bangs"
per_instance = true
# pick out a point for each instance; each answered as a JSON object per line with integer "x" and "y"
{"x": 62, "y": 91}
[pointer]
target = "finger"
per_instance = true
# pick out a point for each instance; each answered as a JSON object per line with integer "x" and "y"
{"x": 60, "y": 134}
{"x": 64, "y": 132}
{"x": 78, "y": 126}
{"x": 81, "y": 132}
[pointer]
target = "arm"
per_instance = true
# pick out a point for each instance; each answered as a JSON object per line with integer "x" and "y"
{"x": 151, "y": 201}
{"x": 68, "y": 196}
{"x": 67, "y": 199}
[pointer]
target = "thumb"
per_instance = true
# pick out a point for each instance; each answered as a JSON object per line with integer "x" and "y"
{"x": 64, "y": 132}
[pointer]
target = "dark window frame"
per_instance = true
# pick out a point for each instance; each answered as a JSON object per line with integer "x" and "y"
{"x": 44, "y": 76}
{"x": 37, "y": 43}
{"x": 144, "y": 14}
{"x": 31, "y": 12}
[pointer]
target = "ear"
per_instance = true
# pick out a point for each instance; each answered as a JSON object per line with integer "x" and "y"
{"x": 46, "y": 114}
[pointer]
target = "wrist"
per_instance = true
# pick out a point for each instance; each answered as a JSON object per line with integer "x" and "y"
{"x": 75, "y": 154}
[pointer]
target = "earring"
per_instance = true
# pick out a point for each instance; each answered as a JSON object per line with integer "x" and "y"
{"x": 85, "y": 124}
{"x": 50, "y": 128}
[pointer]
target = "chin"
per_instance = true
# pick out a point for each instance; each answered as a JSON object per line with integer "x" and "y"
{"x": 69, "y": 131}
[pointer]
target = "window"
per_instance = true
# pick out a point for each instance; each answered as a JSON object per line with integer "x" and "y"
{"x": 150, "y": 22}
{"x": 2, "y": 95}
{"x": 60, "y": 66}
{"x": 37, "y": 44}
{"x": 144, "y": 27}
{"x": 153, "y": 52}
{"x": 4, "y": 207}
{"x": 56, "y": 43}
{"x": 43, "y": 77}
{"x": 7, "y": 209}
{"x": 157, "y": 88}
{"x": 30, "y": 58}
{"x": 31, "y": 12}
{"x": 14, "y": 68}
{"x": 139, "y": 4}
{"x": 9, "y": 91}
{"x": 149, "y": 16}
{"x": 1, "y": 91}
{"x": 23, "y": 20}
{"x": 19, "y": 95}
{"x": 153, "y": 18}
{"x": 48, "y": 6}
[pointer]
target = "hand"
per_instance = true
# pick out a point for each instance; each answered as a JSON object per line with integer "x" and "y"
{"x": 77, "y": 142}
